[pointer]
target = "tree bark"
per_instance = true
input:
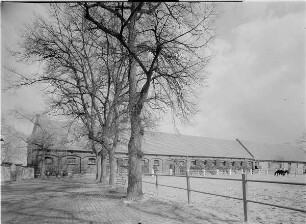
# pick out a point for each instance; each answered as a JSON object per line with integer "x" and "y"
{"x": 43, "y": 165}
{"x": 98, "y": 167}
{"x": 112, "y": 159}
{"x": 134, "y": 189}
{"x": 103, "y": 169}
{"x": 135, "y": 178}
{"x": 112, "y": 167}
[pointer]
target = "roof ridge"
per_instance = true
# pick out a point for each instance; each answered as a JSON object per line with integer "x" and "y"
{"x": 268, "y": 143}
{"x": 194, "y": 136}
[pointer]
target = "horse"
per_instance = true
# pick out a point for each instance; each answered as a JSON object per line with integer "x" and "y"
{"x": 281, "y": 172}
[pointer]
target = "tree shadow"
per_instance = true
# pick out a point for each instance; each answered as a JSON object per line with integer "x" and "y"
{"x": 180, "y": 213}
{"x": 62, "y": 216}
{"x": 87, "y": 195}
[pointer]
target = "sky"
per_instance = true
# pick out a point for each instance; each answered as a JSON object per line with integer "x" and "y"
{"x": 256, "y": 80}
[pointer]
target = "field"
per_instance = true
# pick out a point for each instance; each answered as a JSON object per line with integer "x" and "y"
{"x": 232, "y": 209}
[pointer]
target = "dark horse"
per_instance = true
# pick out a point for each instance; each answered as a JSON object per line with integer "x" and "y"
{"x": 281, "y": 172}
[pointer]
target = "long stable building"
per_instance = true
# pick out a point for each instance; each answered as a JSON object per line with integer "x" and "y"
{"x": 163, "y": 151}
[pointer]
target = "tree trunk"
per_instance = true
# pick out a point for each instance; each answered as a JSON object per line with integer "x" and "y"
{"x": 112, "y": 167}
{"x": 43, "y": 165}
{"x": 98, "y": 167}
{"x": 103, "y": 169}
{"x": 112, "y": 159}
{"x": 134, "y": 147}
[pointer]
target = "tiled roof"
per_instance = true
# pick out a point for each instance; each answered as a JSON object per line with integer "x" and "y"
{"x": 172, "y": 144}
{"x": 274, "y": 152}
{"x": 61, "y": 133}
{"x": 158, "y": 143}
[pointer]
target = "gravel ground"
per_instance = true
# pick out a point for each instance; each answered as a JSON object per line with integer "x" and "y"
{"x": 232, "y": 209}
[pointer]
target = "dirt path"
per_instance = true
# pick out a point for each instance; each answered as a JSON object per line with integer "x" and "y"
{"x": 84, "y": 201}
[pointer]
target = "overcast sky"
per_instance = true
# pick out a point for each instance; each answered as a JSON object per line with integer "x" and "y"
{"x": 256, "y": 82}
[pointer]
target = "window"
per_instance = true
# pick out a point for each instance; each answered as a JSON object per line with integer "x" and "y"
{"x": 125, "y": 162}
{"x": 71, "y": 161}
{"x": 156, "y": 162}
{"x": 223, "y": 162}
{"x": 91, "y": 161}
{"x": 144, "y": 162}
{"x": 256, "y": 165}
{"x": 269, "y": 165}
{"x": 193, "y": 162}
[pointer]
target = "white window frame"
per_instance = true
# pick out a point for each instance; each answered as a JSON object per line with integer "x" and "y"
{"x": 70, "y": 159}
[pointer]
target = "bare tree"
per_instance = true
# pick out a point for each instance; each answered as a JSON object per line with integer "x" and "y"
{"x": 166, "y": 44}
{"x": 86, "y": 77}
{"x": 13, "y": 143}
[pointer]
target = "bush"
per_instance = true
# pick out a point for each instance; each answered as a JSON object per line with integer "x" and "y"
{"x": 246, "y": 165}
{"x": 212, "y": 172}
{"x": 227, "y": 165}
{"x": 219, "y": 164}
{"x": 237, "y": 165}
{"x": 52, "y": 171}
{"x": 209, "y": 165}
{"x": 198, "y": 165}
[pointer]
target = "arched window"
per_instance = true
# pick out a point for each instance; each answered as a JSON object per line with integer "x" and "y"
{"x": 91, "y": 161}
{"x": 156, "y": 162}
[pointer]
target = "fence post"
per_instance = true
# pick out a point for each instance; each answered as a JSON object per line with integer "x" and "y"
{"x": 204, "y": 172}
{"x": 267, "y": 171}
{"x": 230, "y": 172}
{"x": 245, "y": 202}
{"x": 188, "y": 186}
{"x": 217, "y": 172}
{"x": 156, "y": 183}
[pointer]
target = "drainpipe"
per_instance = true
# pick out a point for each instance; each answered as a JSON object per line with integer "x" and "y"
{"x": 80, "y": 165}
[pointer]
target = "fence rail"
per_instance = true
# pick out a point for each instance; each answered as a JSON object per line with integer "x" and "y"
{"x": 204, "y": 172}
{"x": 244, "y": 181}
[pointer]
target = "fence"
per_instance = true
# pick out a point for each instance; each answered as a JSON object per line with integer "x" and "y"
{"x": 16, "y": 172}
{"x": 244, "y": 190}
{"x": 203, "y": 172}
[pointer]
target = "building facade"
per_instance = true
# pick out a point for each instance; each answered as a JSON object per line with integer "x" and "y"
{"x": 164, "y": 152}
